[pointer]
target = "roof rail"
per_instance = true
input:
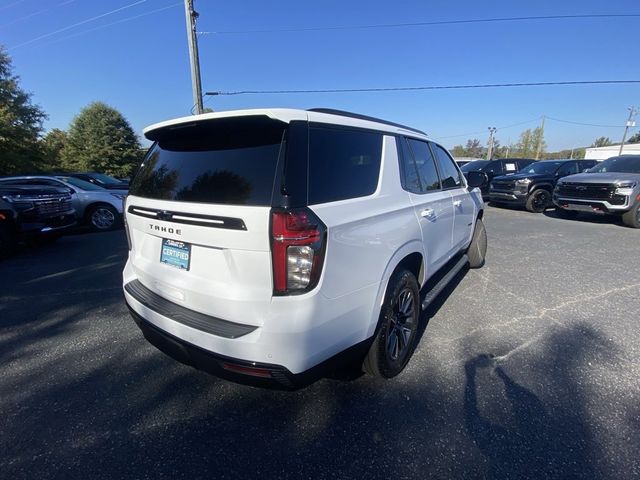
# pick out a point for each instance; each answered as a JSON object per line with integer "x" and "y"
{"x": 343, "y": 113}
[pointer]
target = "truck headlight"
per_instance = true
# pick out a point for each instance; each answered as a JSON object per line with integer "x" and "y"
{"x": 625, "y": 188}
{"x": 523, "y": 182}
{"x": 19, "y": 202}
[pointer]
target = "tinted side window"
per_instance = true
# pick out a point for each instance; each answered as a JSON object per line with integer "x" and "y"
{"x": 410, "y": 178}
{"x": 494, "y": 167}
{"x": 584, "y": 164}
{"x": 425, "y": 165}
{"x": 568, "y": 168}
{"x": 342, "y": 163}
{"x": 449, "y": 173}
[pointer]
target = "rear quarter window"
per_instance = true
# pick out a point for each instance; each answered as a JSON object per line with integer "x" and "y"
{"x": 343, "y": 163}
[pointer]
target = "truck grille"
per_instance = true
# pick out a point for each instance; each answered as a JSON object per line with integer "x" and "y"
{"x": 51, "y": 205}
{"x": 591, "y": 191}
{"x": 503, "y": 186}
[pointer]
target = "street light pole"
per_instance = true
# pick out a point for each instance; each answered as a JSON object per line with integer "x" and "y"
{"x": 630, "y": 123}
{"x": 194, "y": 59}
{"x": 492, "y": 131}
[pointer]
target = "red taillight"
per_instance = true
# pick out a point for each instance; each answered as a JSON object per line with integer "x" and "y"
{"x": 297, "y": 249}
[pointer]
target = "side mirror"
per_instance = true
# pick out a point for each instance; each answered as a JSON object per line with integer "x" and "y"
{"x": 476, "y": 179}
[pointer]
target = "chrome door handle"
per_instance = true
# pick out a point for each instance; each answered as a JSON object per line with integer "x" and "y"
{"x": 427, "y": 213}
{"x": 457, "y": 203}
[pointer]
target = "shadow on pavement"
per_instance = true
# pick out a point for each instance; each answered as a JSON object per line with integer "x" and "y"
{"x": 84, "y": 396}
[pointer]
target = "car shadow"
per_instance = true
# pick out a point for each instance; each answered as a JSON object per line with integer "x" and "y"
{"x": 584, "y": 217}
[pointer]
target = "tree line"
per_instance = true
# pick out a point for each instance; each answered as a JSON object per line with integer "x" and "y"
{"x": 99, "y": 138}
{"x": 530, "y": 142}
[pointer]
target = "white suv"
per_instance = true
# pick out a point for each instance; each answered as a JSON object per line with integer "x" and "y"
{"x": 267, "y": 245}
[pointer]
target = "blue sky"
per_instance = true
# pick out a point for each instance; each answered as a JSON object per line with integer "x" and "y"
{"x": 140, "y": 65}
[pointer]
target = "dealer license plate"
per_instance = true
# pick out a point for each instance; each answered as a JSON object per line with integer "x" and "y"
{"x": 177, "y": 254}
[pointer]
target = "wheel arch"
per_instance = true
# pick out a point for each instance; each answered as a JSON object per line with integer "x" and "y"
{"x": 93, "y": 205}
{"x": 410, "y": 256}
{"x": 543, "y": 186}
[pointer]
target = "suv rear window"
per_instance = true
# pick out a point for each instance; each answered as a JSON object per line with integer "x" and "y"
{"x": 343, "y": 163}
{"x": 230, "y": 161}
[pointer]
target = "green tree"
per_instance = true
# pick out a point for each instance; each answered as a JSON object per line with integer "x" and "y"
{"x": 473, "y": 148}
{"x": 524, "y": 146}
{"x": 530, "y": 143}
{"x": 459, "y": 151}
{"x": 634, "y": 138}
{"x": 101, "y": 139}
{"x": 20, "y": 124}
{"x": 602, "y": 142}
{"x": 52, "y": 145}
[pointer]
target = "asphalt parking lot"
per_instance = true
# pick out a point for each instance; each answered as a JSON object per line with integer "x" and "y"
{"x": 528, "y": 368}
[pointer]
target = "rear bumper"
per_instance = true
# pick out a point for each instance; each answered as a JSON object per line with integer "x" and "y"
{"x": 242, "y": 371}
{"x": 293, "y": 338}
{"x": 218, "y": 365}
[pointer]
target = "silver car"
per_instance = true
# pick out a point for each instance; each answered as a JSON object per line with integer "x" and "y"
{"x": 95, "y": 206}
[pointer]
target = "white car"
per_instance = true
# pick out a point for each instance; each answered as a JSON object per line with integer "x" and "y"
{"x": 268, "y": 245}
{"x": 95, "y": 206}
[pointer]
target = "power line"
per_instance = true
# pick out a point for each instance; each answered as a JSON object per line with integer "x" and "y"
{"x": 422, "y": 24}
{"x": 36, "y": 13}
{"x": 83, "y": 22}
{"x": 428, "y": 87}
{"x": 585, "y": 124}
{"x": 480, "y": 132}
{"x": 106, "y": 25}
{"x": 9, "y": 5}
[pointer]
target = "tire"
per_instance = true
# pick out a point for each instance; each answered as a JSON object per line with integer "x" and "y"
{"x": 395, "y": 340}
{"x": 102, "y": 218}
{"x": 477, "y": 250}
{"x": 538, "y": 200}
{"x": 566, "y": 214}
{"x": 632, "y": 217}
{"x": 7, "y": 240}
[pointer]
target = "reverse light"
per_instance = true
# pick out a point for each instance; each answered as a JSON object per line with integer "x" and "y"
{"x": 298, "y": 239}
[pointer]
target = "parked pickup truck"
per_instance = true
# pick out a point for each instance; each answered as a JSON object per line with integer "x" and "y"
{"x": 532, "y": 186}
{"x": 33, "y": 212}
{"x": 610, "y": 188}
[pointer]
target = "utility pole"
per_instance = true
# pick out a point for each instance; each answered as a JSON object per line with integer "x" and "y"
{"x": 191, "y": 16}
{"x": 540, "y": 140}
{"x": 630, "y": 123}
{"x": 492, "y": 131}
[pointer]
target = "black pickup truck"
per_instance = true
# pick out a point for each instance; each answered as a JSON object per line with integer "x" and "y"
{"x": 533, "y": 186}
{"x": 33, "y": 213}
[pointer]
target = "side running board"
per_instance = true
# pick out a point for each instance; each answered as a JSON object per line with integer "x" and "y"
{"x": 444, "y": 281}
